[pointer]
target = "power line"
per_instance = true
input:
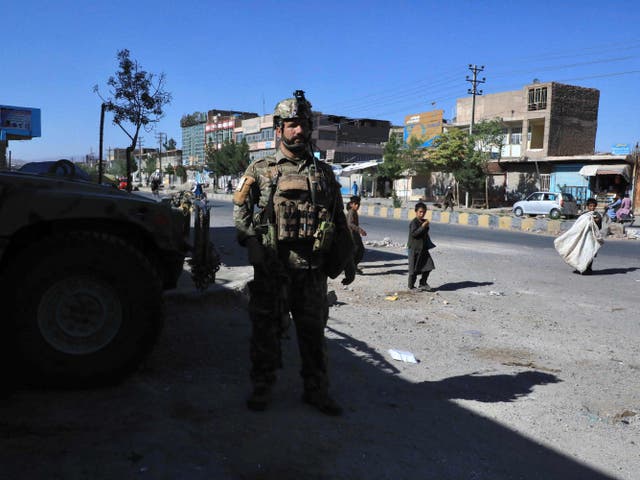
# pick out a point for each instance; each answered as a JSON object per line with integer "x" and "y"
{"x": 437, "y": 89}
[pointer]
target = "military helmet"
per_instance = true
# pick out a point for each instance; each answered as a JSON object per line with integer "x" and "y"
{"x": 296, "y": 107}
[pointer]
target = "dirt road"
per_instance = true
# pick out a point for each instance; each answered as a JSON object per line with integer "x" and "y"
{"x": 520, "y": 374}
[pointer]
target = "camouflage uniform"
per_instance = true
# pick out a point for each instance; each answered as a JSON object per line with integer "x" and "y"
{"x": 295, "y": 279}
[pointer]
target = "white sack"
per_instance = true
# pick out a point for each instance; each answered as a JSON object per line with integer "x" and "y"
{"x": 578, "y": 245}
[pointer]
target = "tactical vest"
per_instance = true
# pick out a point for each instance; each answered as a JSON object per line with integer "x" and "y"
{"x": 299, "y": 203}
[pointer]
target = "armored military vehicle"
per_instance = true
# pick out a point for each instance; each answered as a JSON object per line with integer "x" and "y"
{"x": 82, "y": 271}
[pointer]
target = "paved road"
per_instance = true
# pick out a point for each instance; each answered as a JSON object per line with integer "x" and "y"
{"x": 525, "y": 372}
{"x": 396, "y": 231}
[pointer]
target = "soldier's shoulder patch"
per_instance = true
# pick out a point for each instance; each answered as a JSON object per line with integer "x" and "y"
{"x": 263, "y": 162}
{"x": 242, "y": 190}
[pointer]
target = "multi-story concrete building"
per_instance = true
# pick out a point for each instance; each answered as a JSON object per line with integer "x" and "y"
{"x": 193, "y": 139}
{"x": 221, "y": 125}
{"x": 550, "y": 131}
{"x": 215, "y": 128}
{"x": 259, "y": 134}
{"x": 344, "y": 140}
{"x": 337, "y": 139}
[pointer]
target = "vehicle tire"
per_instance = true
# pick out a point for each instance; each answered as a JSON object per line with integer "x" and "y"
{"x": 88, "y": 307}
{"x": 554, "y": 214}
{"x": 518, "y": 212}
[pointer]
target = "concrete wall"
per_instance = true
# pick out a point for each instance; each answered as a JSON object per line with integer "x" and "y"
{"x": 505, "y": 105}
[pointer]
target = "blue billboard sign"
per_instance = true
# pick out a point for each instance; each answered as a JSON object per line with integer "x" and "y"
{"x": 621, "y": 149}
{"x": 19, "y": 123}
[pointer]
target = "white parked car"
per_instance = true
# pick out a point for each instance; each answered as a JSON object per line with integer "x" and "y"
{"x": 553, "y": 204}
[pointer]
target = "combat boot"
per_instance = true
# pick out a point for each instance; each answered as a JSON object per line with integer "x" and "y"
{"x": 322, "y": 401}
{"x": 260, "y": 398}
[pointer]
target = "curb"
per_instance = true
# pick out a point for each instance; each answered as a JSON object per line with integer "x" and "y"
{"x": 482, "y": 220}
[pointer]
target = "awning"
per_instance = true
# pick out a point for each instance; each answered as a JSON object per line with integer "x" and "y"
{"x": 615, "y": 169}
{"x": 361, "y": 166}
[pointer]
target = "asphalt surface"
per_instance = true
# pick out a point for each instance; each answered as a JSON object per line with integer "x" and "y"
{"x": 524, "y": 371}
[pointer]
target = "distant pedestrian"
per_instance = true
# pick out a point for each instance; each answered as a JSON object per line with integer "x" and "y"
{"x": 353, "y": 222}
{"x": 354, "y": 189}
{"x": 156, "y": 179}
{"x": 579, "y": 245}
{"x": 625, "y": 208}
{"x": 613, "y": 207}
{"x": 229, "y": 187}
{"x": 448, "y": 199}
{"x": 419, "y": 244}
{"x": 198, "y": 192}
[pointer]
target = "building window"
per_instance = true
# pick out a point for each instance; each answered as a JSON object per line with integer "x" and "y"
{"x": 516, "y": 136}
{"x": 537, "y": 98}
{"x": 326, "y": 135}
{"x": 545, "y": 182}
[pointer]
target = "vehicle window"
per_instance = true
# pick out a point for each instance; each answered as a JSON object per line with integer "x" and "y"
{"x": 550, "y": 196}
{"x": 535, "y": 196}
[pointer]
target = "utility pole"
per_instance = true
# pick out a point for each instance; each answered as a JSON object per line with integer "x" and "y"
{"x": 103, "y": 108}
{"x": 636, "y": 177}
{"x": 160, "y": 136}
{"x": 140, "y": 142}
{"x": 474, "y": 91}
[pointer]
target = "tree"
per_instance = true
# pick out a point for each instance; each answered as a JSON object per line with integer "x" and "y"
{"x": 450, "y": 150}
{"x": 181, "y": 173}
{"x": 135, "y": 97}
{"x": 189, "y": 120}
{"x": 169, "y": 144}
{"x": 393, "y": 161}
{"x": 415, "y": 156}
{"x": 119, "y": 167}
{"x": 454, "y": 153}
{"x": 169, "y": 170}
{"x": 466, "y": 156}
{"x": 232, "y": 159}
{"x": 488, "y": 140}
{"x": 399, "y": 158}
{"x": 149, "y": 164}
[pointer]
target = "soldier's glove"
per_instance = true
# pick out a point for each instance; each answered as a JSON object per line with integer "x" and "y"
{"x": 256, "y": 252}
{"x": 349, "y": 273}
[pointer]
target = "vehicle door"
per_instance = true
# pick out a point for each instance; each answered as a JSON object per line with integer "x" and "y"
{"x": 549, "y": 202}
{"x": 569, "y": 204}
{"x": 534, "y": 204}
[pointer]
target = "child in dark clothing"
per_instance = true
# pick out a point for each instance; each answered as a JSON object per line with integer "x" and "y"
{"x": 419, "y": 243}
{"x": 353, "y": 223}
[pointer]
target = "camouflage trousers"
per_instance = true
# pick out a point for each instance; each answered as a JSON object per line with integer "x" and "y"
{"x": 303, "y": 294}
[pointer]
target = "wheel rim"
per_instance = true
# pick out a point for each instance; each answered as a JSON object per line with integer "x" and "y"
{"x": 79, "y": 315}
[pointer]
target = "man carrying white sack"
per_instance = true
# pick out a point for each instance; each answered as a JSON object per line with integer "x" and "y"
{"x": 579, "y": 245}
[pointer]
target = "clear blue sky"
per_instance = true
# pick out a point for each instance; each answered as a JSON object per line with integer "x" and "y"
{"x": 377, "y": 59}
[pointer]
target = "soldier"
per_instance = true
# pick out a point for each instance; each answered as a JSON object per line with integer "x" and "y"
{"x": 288, "y": 214}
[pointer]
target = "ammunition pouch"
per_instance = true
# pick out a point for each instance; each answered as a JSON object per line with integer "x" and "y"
{"x": 267, "y": 234}
{"x": 324, "y": 236}
{"x": 295, "y": 214}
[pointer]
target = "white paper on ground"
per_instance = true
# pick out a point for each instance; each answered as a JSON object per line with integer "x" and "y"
{"x": 402, "y": 355}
